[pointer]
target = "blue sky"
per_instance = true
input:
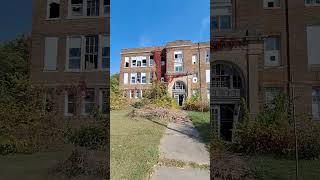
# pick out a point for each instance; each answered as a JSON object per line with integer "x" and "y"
{"x": 134, "y": 23}
{"x": 140, "y": 23}
{"x": 15, "y": 18}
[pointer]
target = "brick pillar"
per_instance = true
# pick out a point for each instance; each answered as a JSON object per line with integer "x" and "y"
{"x": 157, "y": 60}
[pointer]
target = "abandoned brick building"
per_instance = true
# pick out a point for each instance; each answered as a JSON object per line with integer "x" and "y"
{"x": 182, "y": 65}
{"x": 261, "y": 48}
{"x": 70, "y": 50}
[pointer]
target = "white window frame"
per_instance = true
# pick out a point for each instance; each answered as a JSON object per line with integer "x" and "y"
{"x": 195, "y": 78}
{"x": 265, "y": 4}
{"x": 86, "y": 102}
{"x": 135, "y": 76}
{"x": 84, "y": 7}
{"x": 101, "y": 43}
{"x": 49, "y": 56}
{"x": 150, "y": 77}
{"x": 132, "y": 60}
{"x": 143, "y": 58}
{"x": 151, "y": 60}
{"x": 312, "y": 3}
{"x": 144, "y": 75}
{"x": 125, "y": 78}
{"x": 101, "y": 100}
{"x": 66, "y": 104}
{"x": 274, "y": 51}
{"x": 126, "y": 60}
{"x": 207, "y": 55}
{"x": 207, "y": 76}
{"x": 194, "y": 59}
{"x": 104, "y": 42}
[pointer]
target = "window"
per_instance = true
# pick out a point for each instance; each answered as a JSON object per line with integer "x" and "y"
{"x": 105, "y": 52}
{"x": 126, "y": 62}
{"x": 125, "y": 78}
{"x": 138, "y": 93}
{"x": 133, "y": 78}
{"x": 313, "y": 39}
{"x": 104, "y": 101}
{"x": 91, "y": 53}
{"x": 272, "y": 51}
{"x": 150, "y": 77}
{"x": 312, "y": 2}
{"x": 133, "y": 62}
{"x": 194, "y": 59}
{"x": 106, "y": 7}
{"x": 144, "y": 62}
{"x": 131, "y": 94}
{"x": 143, "y": 78}
{"x": 89, "y": 101}
{"x": 195, "y": 78}
{"x": 76, "y": 8}
{"x": 88, "y": 52}
{"x": 207, "y": 76}
{"x": 93, "y": 7}
{"x": 48, "y": 101}
{"x": 151, "y": 61}
{"x": 316, "y": 102}
{"x": 208, "y": 93}
{"x": 70, "y": 104}
{"x": 138, "y": 78}
{"x": 53, "y": 9}
{"x": 178, "y": 61}
{"x": 208, "y": 56}
{"x": 269, "y": 4}
{"x": 74, "y": 62}
{"x": 222, "y": 16}
{"x": 271, "y": 94}
{"x": 163, "y": 63}
{"x": 51, "y": 54}
{"x": 89, "y": 8}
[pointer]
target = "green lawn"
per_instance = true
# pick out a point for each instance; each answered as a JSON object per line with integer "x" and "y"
{"x": 134, "y": 146}
{"x": 29, "y": 167}
{"x": 267, "y": 167}
{"x": 201, "y": 120}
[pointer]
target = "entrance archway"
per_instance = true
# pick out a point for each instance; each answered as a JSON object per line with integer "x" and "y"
{"x": 179, "y": 92}
{"x": 227, "y": 89}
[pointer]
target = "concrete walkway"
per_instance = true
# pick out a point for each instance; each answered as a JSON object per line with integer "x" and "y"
{"x": 182, "y": 142}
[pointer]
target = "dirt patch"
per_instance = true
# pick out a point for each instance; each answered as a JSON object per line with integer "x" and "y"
{"x": 151, "y": 112}
{"x": 228, "y": 166}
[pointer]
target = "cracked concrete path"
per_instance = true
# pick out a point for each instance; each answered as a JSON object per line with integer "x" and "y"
{"x": 182, "y": 142}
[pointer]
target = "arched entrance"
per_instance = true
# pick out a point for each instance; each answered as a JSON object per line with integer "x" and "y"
{"x": 227, "y": 89}
{"x": 179, "y": 92}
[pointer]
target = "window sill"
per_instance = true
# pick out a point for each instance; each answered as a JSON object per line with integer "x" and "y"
{"x": 86, "y": 17}
{"x": 85, "y": 71}
{"x": 52, "y": 19}
{"x": 312, "y": 5}
{"x": 48, "y": 71}
{"x": 271, "y": 8}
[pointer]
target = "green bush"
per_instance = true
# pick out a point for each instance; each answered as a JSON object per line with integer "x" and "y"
{"x": 196, "y": 104}
{"x": 90, "y": 137}
{"x": 272, "y": 133}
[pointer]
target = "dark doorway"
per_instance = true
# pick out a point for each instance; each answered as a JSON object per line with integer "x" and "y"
{"x": 226, "y": 121}
{"x": 181, "y": 97}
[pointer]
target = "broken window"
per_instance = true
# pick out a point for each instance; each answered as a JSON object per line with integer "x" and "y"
{"x": 93, "y": 7}
{"x": 91, "y": 55}
{"x": 89, "y": 101}
{"x": 126, "y": 63}
{"x": 76, "y": 7}
{"x": 53, "y": 9}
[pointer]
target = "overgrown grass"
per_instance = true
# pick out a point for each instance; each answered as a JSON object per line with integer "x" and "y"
{"x": 268, "y": 167}
{"x": 201, "y": 120}
{"x": 134, "y": 146}
{"x": 29, "y": 167}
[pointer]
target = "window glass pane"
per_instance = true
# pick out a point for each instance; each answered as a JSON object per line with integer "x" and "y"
{"x": 225, "y": 22}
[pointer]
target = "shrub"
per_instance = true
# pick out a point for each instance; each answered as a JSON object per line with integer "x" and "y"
{"x": 272, "y": 132}
{"x": 196, "y": 104}
{"x": 89, "y": 137}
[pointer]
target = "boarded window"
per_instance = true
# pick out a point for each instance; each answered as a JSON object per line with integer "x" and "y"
{"x": 51, "y": 52}
{"x": 313, "y": 36}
